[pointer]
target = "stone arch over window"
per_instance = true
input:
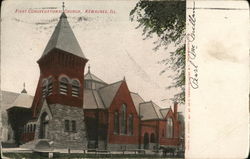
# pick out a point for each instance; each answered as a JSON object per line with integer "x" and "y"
{"x": 75, "y": 88}
{"x": 169, "y": 128}
{"x": 123, "y": 119}
{"x": 131, "y": 124}
{"x": 152, "y": 138}
{"x": 63, "y": 85}
{"x": 116, "y": 122}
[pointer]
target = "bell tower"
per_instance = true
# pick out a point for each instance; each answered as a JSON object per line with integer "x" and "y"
{"x": 61, "y": 69}
{"x": 58, "y": 101}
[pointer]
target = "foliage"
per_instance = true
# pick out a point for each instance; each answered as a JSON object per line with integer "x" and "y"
{"x": 166, "y": 20}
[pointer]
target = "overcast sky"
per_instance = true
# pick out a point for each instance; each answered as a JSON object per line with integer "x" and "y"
{"x": 114, "y": 47}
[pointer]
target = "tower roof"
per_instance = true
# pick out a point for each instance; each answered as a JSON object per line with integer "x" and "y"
{"x": 23, "y": 100}
{"x": 64, "y": 39}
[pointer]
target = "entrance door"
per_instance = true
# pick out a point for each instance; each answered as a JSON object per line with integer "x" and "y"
{"x": 44, "y": 126}
{"x": 146, "y": 141}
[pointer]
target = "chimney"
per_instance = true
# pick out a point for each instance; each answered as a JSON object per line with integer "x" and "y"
{"x": 175, "y": 110}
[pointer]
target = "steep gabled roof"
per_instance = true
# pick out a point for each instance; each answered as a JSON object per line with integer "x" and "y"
{"x": 164, "y": 112}
{"x": 108, "y": 93}
{"x": 92, "y": 100}
{"x": 150, "y": 111}
{"x": 64, "y": 39}
{"x": 137, "y": 99}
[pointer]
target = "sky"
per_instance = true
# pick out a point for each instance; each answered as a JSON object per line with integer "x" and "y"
{"x": 111, "y": 42}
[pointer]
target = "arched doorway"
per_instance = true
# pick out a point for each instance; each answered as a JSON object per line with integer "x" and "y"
{"x": 44, "y": 126}
{"x": 146, "y": 141}
{"x": 152, "y": 138}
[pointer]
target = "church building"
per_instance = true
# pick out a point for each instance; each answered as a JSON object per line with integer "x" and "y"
{"x": 79, "y": 110}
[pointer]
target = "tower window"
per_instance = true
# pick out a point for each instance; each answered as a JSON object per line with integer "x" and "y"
{"x": 75, "y": 88}
{"x": 63, "y": 89}
{"x": 50, "y": 86}
{"x": 44, "y": 88}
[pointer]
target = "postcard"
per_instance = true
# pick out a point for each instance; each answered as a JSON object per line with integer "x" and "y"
{"x": 124, "y": 79}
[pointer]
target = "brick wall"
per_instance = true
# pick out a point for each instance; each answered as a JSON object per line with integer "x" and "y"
{"x": 55, "y": 64}
{"x": 123, "y": 97}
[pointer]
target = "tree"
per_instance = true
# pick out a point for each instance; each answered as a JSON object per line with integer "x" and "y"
{"x": 166, "y": 20}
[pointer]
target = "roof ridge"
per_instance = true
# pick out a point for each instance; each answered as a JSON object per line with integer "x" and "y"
{"x": 92, "y": 91}
{"x": 110, "y": 84}
{"x": 138, "y": 95}
{"x": 146, "y": 102}
{"x": 155, "y": 109}
{"x": 101, "y": 99}
{"x": 59, "y": 28}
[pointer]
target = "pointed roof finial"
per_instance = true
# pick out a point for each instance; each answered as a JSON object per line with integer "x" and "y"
{"x": 89, "y": 68}
{"x": 63, "y": 6}
{"x": 24, "y": 90}
{"x": 124, "y": 79}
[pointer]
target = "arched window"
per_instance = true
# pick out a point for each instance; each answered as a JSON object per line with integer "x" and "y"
{"x": 44, "y": 126}
{"x": 24, "y": 129}
{"x": 75, "y": 88}
{"x": 169, "y": 128}
{"x": 152, "y": 138}
{"x": 28, "y": 129}
{"x": 116, "y": 123}
{"x": 44, "y": 88}
{"x": 63, "y": 89}
{"x": 34, "y": 127}
{"x": 131, "y": 124}
{"x": 31, "y": 128}
{"x": 50, "y": 86}
{"x": 123, "y": 119}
